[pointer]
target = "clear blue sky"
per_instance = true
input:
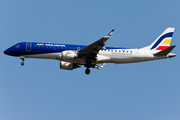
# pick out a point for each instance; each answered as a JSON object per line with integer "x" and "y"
{"x": 40, "y": 90}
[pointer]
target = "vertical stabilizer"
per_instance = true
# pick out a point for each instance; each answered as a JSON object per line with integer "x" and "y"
{"x": 163, "y": 41}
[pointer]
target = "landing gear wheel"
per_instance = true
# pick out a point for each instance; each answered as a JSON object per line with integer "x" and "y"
{"x": 87, "y": 71}
{"x": 22, "y": 63}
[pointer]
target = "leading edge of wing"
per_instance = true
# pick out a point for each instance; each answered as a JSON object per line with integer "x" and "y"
{"x": 96, "y": 46}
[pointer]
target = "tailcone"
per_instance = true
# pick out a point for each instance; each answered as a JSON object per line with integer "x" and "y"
{"x": 170, "y": 55}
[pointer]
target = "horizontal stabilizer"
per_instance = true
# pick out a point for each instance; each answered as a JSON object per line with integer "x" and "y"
{"x": 165, "y": 51}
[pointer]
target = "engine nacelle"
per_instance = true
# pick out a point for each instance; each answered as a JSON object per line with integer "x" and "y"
{"x": 68, "y": 65}
{"x": 67, "y": 55}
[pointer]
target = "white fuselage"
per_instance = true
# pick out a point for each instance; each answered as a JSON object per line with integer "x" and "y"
{"x": 108, "y": 56}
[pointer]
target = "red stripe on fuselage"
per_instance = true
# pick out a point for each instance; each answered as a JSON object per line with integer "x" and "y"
{"x": 162, "y": 47}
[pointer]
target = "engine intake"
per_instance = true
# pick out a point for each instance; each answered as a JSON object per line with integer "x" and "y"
{"x": 68, "y": 65}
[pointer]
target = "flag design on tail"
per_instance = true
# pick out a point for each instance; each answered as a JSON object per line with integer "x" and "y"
{"x": 164, "y": 40}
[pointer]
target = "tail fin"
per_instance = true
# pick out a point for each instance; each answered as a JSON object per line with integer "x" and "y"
{"x": 163, "y": 41}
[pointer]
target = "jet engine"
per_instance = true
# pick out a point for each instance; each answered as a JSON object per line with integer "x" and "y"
{"x": 68, "y": 65}
{"x": 67, "y": 55}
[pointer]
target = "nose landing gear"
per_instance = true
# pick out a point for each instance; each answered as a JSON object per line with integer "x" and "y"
{"x": 22, "y": 58}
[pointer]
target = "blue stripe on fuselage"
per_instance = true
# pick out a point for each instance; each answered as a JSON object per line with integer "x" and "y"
{"x": 42, "y": 48}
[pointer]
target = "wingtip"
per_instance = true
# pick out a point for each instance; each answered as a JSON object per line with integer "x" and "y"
{"x": 111, "y": 32}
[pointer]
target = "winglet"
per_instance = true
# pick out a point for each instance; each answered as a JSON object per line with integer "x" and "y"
{"x": 102, "y": 65}
{"x": 111, "y": 33}
{"x": 99, "y": 67}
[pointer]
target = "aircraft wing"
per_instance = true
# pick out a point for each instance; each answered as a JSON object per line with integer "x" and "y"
{"x": 94, "y": 48}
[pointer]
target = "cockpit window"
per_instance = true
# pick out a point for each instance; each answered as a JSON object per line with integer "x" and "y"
{"x": 16, "y": 45}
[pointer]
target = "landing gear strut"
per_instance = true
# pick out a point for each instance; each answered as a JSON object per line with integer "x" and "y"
{"x": 88, "y": 65}
{"x": 22, "y": 58}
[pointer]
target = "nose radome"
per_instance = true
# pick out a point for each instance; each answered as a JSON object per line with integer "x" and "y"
{"x": 6, "y": 52}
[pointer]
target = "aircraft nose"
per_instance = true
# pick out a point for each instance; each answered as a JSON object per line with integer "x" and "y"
{"x": 8, "y": 51}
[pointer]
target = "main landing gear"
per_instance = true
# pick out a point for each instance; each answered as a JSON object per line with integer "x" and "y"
{"x": 88, "y": 65}
{"x": 22, "y": 58}
{"x": 87, "y": 71}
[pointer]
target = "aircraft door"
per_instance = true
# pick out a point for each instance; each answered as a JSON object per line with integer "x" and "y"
{"x": 28, "y": 46}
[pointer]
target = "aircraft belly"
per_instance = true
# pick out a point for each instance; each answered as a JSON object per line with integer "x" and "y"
{"x": 53, "y": 55}
{"x": 121, "y": 58}
{"x": 43, "y": 56}
{"x": 103, "y": 58}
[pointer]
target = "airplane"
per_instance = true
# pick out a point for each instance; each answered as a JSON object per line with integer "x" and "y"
{"x": 75, "y": 56}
